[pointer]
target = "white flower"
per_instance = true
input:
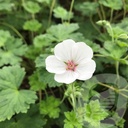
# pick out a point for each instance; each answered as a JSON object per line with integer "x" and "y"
{"x": 71, "y": 61}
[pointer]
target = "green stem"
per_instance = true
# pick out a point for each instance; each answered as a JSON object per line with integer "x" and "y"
{"x": 93, "y": 24}
{"x": 103, "y": 12}
{"x": 111, "y": 16}
{"x": 99, "y": 55}
{"x": 62, "y": 99}
{"x": 40, "y": 95}
{"x": 109, "y": 25}
{"x": 117, "y": 69}
{"x": 114, "y": 89}
{"x": 125, "y": 11}
{"x": 46, "y": 93}
{"x": 70, "y": 11}
{"x": 110, "y": 87}
{"x": 10, "y": 26}
{"x": 99, "y": 12}
{"x": 126, "y": 57}
{"x": 50, "y": 13}
{"x": 73, "y": 97}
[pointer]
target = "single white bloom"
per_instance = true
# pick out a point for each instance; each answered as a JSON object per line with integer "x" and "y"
{"x": 71, "y": 61}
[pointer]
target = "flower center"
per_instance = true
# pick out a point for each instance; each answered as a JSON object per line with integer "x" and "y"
{"x": 71, "y": 65}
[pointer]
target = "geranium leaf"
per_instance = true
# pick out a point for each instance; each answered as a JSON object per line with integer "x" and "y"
{"x": 60, "y": 12}
{"x": 32, "y": 25}
{"x": 71, "y": 120}
{"x": 94, "y": 113}
{"x": 62, "y": 31}
{"x": 31, "y": 7}
{"x": 48, "y": 78}
{"x": 50, "y": 107}
{"x": 12, "y": 99}
{"x": 12, "y": 51}
{"x": 114, "y": 4}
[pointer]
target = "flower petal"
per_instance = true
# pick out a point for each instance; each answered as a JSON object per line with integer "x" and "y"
{"x": 86, "y": 70}
{"x": 54, "y": 65}
{"x": 67, "y": 77}
{"x": 81, "y": 51}
{"x": 63, "y": 51}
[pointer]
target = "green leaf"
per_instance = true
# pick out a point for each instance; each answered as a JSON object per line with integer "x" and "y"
{"x": 32, "y": 119}
{"x": 4, "y": 36}
{"x": 124, "y": 71}
{"x": 48, "y": 2}
{"x": 32, "y": 52}
{"x": 117, "y": 32}
{"x": 114, "y": 4}
{"x": 34, "y": 82}
{"x": 50, "y": 107}
{"x": 63, "y": 31}
{"x": 40, "y": 61}
{"x": 12, "y": 99}
{"x": 48, "y": 78}
{"x": 71, "y": 120}
{"x": 93, "y": 45}
{"x": 12, "y": 51}
{"x": 31, "y": 7}
{"x": 6, "y": 5}
{"x": 87, "y": 8}
{"x": 123, "y": 24}
{"x": 32, "y": 25}
{"x": 42, "y": 40}
{"x": 113, "y": 50}
{"x": 94, "y": 113}
{"x": 60, "y": 12}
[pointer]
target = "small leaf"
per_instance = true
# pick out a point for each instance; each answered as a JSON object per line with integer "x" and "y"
{"x": 114, "y": 4}
{"x": 42, "y": 40}
{"x": 60, "y": 12}
{"x": 62, "y": 31}
{"x": 94, "y": 113}
{"x": 31, "y": 7}
{"x": 12, "y": 51}
{"x": 32, "y": 25}
{"x": 71, "y": 120}
{"x": 6, "y": 5}
{"x": 34, "y": 82}
{"x": 50, "y": 107}
{"x": 48, "y": 2}
{"x": 88, "y": 7}
{"x": 4, "y": 36}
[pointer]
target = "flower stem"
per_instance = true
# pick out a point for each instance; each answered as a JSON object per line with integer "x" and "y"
{"x": 70, "y": 11}
{"x": 40, "y": 95}
{"x": 103, "y": 12}
{"x": 93, "y": 24}
{"x": 117, "y": 70}
{"x": 111, "y": 16}
{"x": 73, "y": 97}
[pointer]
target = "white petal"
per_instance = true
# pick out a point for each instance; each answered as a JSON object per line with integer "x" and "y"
{"x": 54, "y": 65}
{"x": 63, "y": 51}
{"x": 81, "y": 51}
{"x": 67, "y": 77}
{"x": 86, "y": 70}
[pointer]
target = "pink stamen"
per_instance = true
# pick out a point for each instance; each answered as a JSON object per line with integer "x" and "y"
{"x": 71, "y": 65}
